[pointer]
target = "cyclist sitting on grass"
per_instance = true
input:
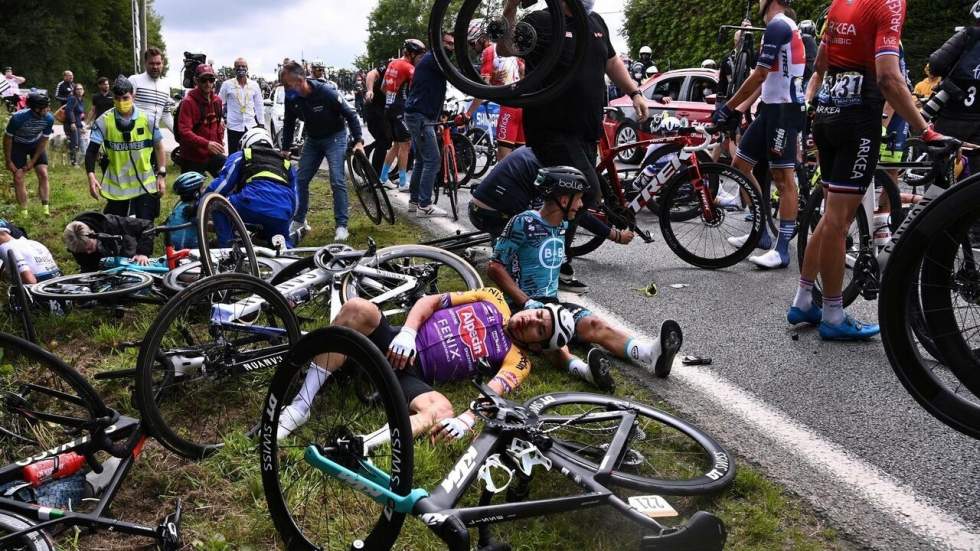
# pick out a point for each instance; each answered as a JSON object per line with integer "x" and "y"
{"x": 445, "y": 337}
{"x": 260, "y": 185}
{"x": 526, "y": 263}
{"x": 188, "y": 187}
{"x": 81, "y": 241}
{"x": 34, "y": 260}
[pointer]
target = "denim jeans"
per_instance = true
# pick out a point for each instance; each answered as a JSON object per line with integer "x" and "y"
{"x": 426, "y": 158}
{"x": 333, "y": 148}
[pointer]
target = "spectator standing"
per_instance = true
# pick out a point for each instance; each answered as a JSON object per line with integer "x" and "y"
{"x": 925, "y": 86}
{"x": 13, "y": 82}
{"x": 75, "y": 122}
{"x": 242, "y": 99}
{"x": 325, "y": 114}
{"x": 152, "y": 94}
{"x": 25, "y": 146}
{"x": 101, "y": 100}
{"x": 64, "y": 89}
{"x": 131, "y": 137}
{"x": 398, "y": 78}
{"x": 201, "y": 134}
{"x": 374, "y": 115}
{"x": 423, "y": 108}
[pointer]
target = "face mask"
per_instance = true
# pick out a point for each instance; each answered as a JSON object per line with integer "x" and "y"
{"x": 588, "y": 5}
{"x": 291, "y": 94}
{"x": 241, "y": 71}
{"x": 123, "y": 105}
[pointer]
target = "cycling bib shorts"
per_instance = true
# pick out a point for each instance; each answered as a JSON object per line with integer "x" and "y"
{"x": 848, "y": 153}
{"x": 510, "y": 127}
{"x": 773, "y": 135}
{"x": 396, "y": 126}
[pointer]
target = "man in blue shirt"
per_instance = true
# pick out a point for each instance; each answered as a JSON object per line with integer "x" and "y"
{"x": 25, "y": 145}
{"x": 325, "y": 113}
{"x": 424, "y": 105}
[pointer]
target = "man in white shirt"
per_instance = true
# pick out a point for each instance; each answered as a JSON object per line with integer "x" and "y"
{"x": 13, "y": 82}
{"x": 34, "y": 260}
{"x": 242, "y": 98}
{"x": 152, "y": 94}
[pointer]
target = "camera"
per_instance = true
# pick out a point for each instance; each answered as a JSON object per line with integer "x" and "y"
{"x": 947, "y": 91}
{"x": 191, "y": 61}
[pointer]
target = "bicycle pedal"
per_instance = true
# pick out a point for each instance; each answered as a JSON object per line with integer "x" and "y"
{"x": 169, "y": 530}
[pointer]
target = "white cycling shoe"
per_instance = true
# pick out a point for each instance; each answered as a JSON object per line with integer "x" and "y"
{"x": 738, "y": 242}
{"x": 291, "y": 418}
{"x": 341, "y": 234}
{"x": 769, "y": 260}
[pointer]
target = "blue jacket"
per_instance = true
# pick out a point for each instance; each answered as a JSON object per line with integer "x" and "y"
{"x": 428, "y": 91}
{"x": 324, "y": 111}
{"x": 265, "y": 197}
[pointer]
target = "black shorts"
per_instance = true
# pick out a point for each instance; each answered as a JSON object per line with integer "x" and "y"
{"x": 410, "y": 378}
{"x": 849, "y": 149}
{"x": 397, "y": 129}
{"x": 490, "y": 221}
{"x": 21, "y": 153}
{"x": 557, "y": 150}
{"x": 773, "y": 135}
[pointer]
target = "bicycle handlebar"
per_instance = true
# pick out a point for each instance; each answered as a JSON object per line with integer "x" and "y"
{"x": 167, "y": 229}
{"x": 708, "y": 133}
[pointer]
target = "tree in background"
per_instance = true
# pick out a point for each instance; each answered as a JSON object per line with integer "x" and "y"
{"x": 92, "y": 39}
{"x": 681, "y": 37}
{"x": 393, "y": 21}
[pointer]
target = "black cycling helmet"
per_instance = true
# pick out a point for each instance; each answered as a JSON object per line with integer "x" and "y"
{"x": 38, "y": 100}
{"x": 556, "y": 181}
{"x": 189, "y": 184}
{"x": 122, "y": 86}
{"x": 414, "y": 46}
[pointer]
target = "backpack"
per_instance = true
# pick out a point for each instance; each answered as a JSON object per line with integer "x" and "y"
{"x": 183, "y": 213}
{"x": 177, "y": 133}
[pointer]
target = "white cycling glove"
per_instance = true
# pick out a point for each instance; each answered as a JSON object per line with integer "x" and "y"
{"x": 404, "y": 344}
{"x": 458, "y": 427}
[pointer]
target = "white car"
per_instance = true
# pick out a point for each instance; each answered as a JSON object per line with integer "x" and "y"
{"x": 275, "y": 114}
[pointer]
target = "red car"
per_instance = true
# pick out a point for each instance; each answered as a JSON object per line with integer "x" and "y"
{"x": 688, "y": 90}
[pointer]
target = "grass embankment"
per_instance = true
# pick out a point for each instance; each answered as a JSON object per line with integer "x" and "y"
{"x": 223, "y": 498}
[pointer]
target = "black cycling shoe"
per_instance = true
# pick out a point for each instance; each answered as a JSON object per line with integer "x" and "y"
{"x": 572, "y": 285}
{"x": 671, "y": 338}
{"x": 598, "y": 361}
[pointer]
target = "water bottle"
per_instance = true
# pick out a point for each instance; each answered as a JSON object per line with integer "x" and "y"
{"x": 648, "y": 173}
{"x": 882, "y": 229}
{"x": 60, "y": 466}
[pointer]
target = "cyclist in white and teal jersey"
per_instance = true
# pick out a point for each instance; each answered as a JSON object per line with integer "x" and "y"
{"x": 526, "y": 266}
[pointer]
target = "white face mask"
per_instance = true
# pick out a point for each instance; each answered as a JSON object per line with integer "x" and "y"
{"x": 588, "y": 5}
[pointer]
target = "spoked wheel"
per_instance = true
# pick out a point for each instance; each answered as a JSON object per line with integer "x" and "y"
{"x": 370, "y": 193}
{"x": 672, "y": 153}
{"x": 938, "y": 248}
{"x": 43, "y": 402}
{"x": 223, "y": 239}
{"x": 435, "y": 271}
{"x": 33, "y": 541}
{"x": 858, "y": 246}
{"x": 93, "y": 286}
{"x": 704, "y": 241}
{"x": 662, "y": 453}
{"x": 310, "y": 508}
{"x": 486, "y": 155}
{"x": 183, "y": 276}
{"x": 19, "y": 299}
{"x": 208, "y": 358}
{"x": 628, "y": 133}
{"x": 542, "y": 82}
{"x": 465, "y": 158}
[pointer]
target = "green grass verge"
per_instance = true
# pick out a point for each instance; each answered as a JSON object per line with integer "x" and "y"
{"x": 224, "y": 502}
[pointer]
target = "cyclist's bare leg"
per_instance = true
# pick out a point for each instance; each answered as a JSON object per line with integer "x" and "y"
{"x": 20, "y": 188}
{"x": 789, "y": 195}
{"x": 403, "y": 149}
{"x": 43, "y": 189}
{"x": 427, "y": 410}
{"x": 827, "y": 244}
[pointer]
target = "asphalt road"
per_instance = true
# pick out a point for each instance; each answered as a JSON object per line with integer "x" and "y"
{"x": 830, "y": 421}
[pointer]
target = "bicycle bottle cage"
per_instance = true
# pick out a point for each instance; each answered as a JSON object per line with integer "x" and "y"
{"x": 485, "y": 474}
{"x": 526, "y": 455}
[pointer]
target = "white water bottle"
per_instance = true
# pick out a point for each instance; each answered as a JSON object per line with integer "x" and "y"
{"x": 881, "y": 223}
{"x": 647, "y": 174}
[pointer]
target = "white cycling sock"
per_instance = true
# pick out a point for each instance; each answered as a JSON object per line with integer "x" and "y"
{"x": 833, "y": 309}
{"x": 804, "y": 295}
{"x": 315, "y": 378}
{"x": 580, "y": 369}
{"x": 640, "y": 352}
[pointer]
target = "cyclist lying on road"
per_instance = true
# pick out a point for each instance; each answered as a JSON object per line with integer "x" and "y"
{"x": 526, "y": 263}
{"x": 34, "y": 260}
{"x": 444, "y": 339}
{"x": 88, "y": 251}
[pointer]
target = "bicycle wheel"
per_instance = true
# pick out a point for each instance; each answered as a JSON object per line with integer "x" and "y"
{"x": 20, "y": 301}
{"x": 310, "y": 508}
{"x": 34, "y": 541}
{"x": 452, "y": 188}
{"x": 435, "y": 271}
{"x": 702, "y": 242}
{"x": 486, "y": 154}
{"x": 465, "y": 159}
{"x": 93, "y": 286}
{"x": 44, "y": 403}
{"x": 937, "y": 247}
{"x": 857, "y": 246}
{"x": 221, "y": 235}
{"x": 687, "y": 195}
{"x": 207, "y": 359}
{"x": 663, "y": 453}
{"x": 183, "y": 276}
{"x": 365, "y": 186}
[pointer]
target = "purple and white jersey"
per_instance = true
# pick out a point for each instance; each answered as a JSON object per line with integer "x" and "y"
{"x": 784, "y": 56}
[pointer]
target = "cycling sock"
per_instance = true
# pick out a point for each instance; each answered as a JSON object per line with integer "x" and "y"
{"x": 315, "y": 378}
{"x": 804, "y": 295}
{"x": 580, "y": 369}
{"x": 765, "y": 242}
{"x": 384, "y": 173}
{"x": 640, "y": 352}
{"x": 833, "y": 309}
{"x": 402, "y": 178}
{"x": 786, "y": 229}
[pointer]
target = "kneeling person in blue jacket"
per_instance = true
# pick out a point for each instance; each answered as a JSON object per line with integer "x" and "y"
{"x": 260, "y": 185}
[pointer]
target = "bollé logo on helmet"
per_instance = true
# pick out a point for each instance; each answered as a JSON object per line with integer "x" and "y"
{"x": 472, "y": 330}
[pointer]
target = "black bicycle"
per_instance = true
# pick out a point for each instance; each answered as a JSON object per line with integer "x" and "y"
{"x": 343, "y": 479}
{"x": 47, "y": 411}
{"x": 370, "y": 193}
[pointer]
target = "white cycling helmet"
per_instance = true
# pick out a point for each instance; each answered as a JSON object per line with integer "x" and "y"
{"x": 563, "y": 326}
{"x": 652, "y": 70}
{"x": 255, "y": 135}
{"x": 475, "y": 31}
{"x": 646, "y": 50}
{"x": 666, "y": 123}
{"x": 318, "y": 64}
{"x": 709, "y": 64}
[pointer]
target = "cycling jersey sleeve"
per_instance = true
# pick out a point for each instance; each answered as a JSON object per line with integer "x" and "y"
{"x": 486, "y": 67}
{"x": 49, "y": 126}
{"x": 488, "y": 294}
{"x": 510, "y": 241}
{"x": 13, "y": 125}
{"x": 225, "y": 182}
{"x": 888, "y": 33}
{"x": 777, "y": 35}
{"x": 515, "y": 368}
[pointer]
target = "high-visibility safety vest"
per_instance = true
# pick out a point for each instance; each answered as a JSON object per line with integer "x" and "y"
{"x": 264, "y": 163}
{"x": 130, "y": 173}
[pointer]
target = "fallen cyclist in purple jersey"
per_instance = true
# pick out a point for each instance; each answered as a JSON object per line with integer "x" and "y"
{"x": 445, "y": 337}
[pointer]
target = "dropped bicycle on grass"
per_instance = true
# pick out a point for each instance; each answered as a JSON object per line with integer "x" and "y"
{"x": 344, "y": 479}
{"x": 209, "y": 354}
{"x": 372, "y": 195}
{"x": 48, "y": 410}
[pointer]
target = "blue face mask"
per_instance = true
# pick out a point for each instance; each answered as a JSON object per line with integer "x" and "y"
{"x": 241, "y": 71}
{"x": 291, "y": 94}
{"x": 588, "y": 5}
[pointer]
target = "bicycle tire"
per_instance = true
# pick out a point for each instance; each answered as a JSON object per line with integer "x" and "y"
{"x": 364, "y": 186}
{"x": 395, "y": 259}
{"x": 289, "y": 513}
{"x": 38, "y": 540}
{"x": 919, "y": 376}
{"x": 62, "y": 402}
{"x": 673, "y": 230}
{"x": 465, "y": 158}
{"x": 711, "y": 468}
{"x": 20, "y": 300}
{"x": 653, "y": 205}
{"x": 858, "y": 239}
{"x": 173, "y": 368}
{"x": 186, "y": 274}
{"x": 484, "y": 150}
{"x": 584, "y": 243}
{"x": 120, "y": 283}
{"x": 452, "y": 188}
{"x": 241, "y": 255}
